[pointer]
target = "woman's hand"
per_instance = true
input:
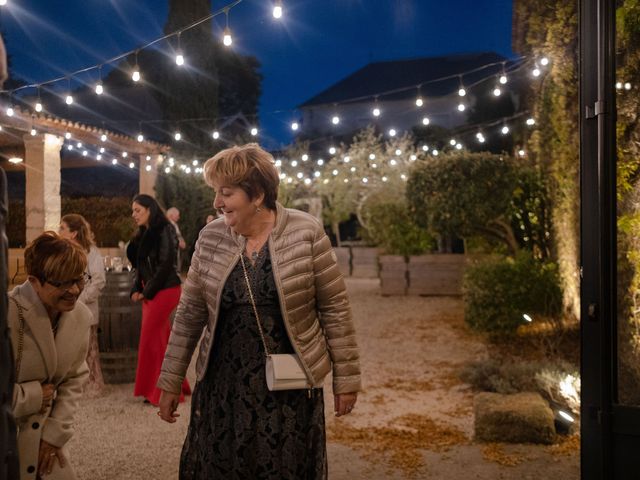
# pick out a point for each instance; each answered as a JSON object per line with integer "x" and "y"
{"x": 137, "y": 296}
{"x": 344, "y": 403}
{"x": 168, "y": 406}
{"x": 47, "y": 458}
{"x": 48, "y": 389}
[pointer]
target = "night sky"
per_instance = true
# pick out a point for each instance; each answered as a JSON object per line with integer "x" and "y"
{"x": 315, "y": 44}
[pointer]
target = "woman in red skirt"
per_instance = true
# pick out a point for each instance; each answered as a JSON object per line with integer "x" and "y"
{"x": 152, "y": 252}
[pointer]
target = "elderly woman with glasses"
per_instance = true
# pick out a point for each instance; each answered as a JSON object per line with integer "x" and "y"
{"x": 50, "y": 337}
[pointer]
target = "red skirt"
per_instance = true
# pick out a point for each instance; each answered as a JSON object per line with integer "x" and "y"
{"x": 154, "y": 336}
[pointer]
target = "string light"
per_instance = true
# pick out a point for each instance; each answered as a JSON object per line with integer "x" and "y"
{"x": 376, "y": 108}
{"x": 277, "y": 9}
{"x": 305, "y": 157}
{"x": 179, "y": 55}
{"x": 226, "y": 36}
{"x": 531, "y": 121}
{"x": 461, "y": 107}
{"x": 99, "y": 86}
{"x": 618, "y": 85}
{"x": 295, "y": 126}
{"x": 425, "y": 121}
{"x": 254, "y": 131}
{"x": 103, "y": 137}
{"x": 38, "y": 106}
{"x": 392, "y": 132}
{"x": 67, "y": 135}
{"x": 177, "y": 136}
{"x": 419, "y": 101}
{"x": 332, "y": 150}
{"x": 135, "y": 74}
{"x": 33, "y": 132}
{"x": 536, "y": 71}
{"x": 79, "y": 144}
{"x": 101, "y": 150}
{"x": 544, "y": 61}
{"x": 497, "y": 92}
{"x": 294, "y": 163}
{"x": 114, "y": 161}
{"x": 372, "y": 156}
{"x": 505, "y": 130}
{"x": 335, "y": 119}
{"x": 627, "y": 86}
{"x": 140, "y": 137}
{"x": 461, "y": 91}
{"x": 215, "y": 135}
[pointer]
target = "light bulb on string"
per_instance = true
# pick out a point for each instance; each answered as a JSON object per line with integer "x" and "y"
{"x": 33, "y": 132}
{"x": 536, "y": 71}
{"x": 254, "y": 131}
{"x": 295, "y": 126}
{"x": 140, "y": 137}
{"x": 461, "y": 90}
{"x": 277, "y": 9}
{"x": 452, "y": 142}
{"x": 85, "y": 153}
{"x": 79, "y": 144}
{"x": 38, "y": 107}
{"x": 335, "y": 119}
{"x": 179, "y": 54}
{"x": 101, "y": 150}
{"x": 226, "y": 35}
{"x": 531, "y": 121}
{"x": 461, "y": 107}
{"x": 425, "y": 121}
{"x": 99, "y": 157}
{"x": 103, "y": 137}
{"x": 114, "y": 161}
{"x": 148, "y": 168}
{"x": 320, "y": 162}
{"x": 69, "y": 98}
{"x": 131, "y": 164}
{"x": 376, "y": 108}
{"x": 505, "y": 130}
{"x": 398, "y": 151}
{"x": 618, "y": 85}
{"x": 332, "y": 150}
{"x": 69, "y": 147}
{"x": 304, "y": 157}
{"x": 67, "y": 135}
{"x": 215, "y": 135}
{"x": 627, "y": 86}
{"x": 392, "y": 132}
{"x": 544, "y": 61}
{"x": 135, "y": 74}
{"x": 419, "y": 100}
{"x": 99, "y": 86}
{"x": 497, "y": 92}
{"x": 177, "y": 136}
{"x": 503, "y": 79}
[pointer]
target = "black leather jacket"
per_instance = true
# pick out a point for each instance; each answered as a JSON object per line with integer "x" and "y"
{"x": 154, "y": 257}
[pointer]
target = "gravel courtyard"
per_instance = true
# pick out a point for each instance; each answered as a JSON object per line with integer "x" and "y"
{"x": 413, "y": 420}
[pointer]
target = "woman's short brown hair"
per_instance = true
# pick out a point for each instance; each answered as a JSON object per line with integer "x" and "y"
{"x": 78, "y": 224}
{"x": 247, "y": 166}
{"x": 51, "y": 257}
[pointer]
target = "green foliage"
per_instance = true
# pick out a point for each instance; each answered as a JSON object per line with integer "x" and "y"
{"x": 189, "y": 194}
{"x": 391, "y": 227}
{"x": 109, "y": 217}
{"x": 498, "y": 292}
{"x": 464, "y": 194}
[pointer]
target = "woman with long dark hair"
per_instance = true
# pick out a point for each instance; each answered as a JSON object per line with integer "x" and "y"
{"x": 153, "y": 254}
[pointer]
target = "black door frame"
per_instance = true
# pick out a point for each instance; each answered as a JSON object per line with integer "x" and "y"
{"x": 610, "y": 442}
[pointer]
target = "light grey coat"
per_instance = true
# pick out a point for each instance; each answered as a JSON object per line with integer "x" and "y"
{"x": 47, "y": 359}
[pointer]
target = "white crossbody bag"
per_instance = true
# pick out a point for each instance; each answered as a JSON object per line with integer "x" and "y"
{"x": 283, "y": 371}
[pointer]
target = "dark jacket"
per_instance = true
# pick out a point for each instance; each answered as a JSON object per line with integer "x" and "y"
{"x": 154, "y": 258}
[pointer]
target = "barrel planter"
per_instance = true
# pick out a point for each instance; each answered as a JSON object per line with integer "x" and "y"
{"x": 393, "y": 275}
{"x": 119, "y": 329}
{"x": 364, "y": 262}
{"x": 436, "y": 274}
{"x": 343, "y": 255}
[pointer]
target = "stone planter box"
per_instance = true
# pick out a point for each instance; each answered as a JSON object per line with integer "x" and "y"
{"x": 393, "y": 275}
{"x": 436, "y": 274}
{"x": 364, "y": 262}
{"x": 343, "y": 254}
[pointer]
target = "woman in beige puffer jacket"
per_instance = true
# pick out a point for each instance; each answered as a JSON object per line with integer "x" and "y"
{"x": 238, "y": 428}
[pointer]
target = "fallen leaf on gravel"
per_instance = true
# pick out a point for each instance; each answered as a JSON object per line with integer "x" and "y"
{"x": 400, "y": 442}
{"x": 566, "y": 446}
{"x": 494, "y": 452}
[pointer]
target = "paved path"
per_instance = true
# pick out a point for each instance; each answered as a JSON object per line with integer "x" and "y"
{"x": 413, "y": 420}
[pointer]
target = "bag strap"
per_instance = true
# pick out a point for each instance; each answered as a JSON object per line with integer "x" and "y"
{"x": 20, "y": 336}
{"x": 253, "y": 304}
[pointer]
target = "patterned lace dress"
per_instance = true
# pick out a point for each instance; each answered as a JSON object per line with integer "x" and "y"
{"x": 239, "y": 429}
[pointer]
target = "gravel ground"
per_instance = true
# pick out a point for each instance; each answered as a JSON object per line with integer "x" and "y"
{"x": 413, "y": 420}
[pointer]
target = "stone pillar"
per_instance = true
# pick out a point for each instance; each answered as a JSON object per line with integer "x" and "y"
{"x": 149, "y": 173}
{"x": 42, "y": 172}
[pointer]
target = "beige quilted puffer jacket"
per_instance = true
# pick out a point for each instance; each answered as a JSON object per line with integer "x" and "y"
{"x": 313, "y": 301}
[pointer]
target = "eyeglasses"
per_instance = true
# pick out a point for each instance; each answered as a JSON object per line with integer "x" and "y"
{"x": 66, "y": 285}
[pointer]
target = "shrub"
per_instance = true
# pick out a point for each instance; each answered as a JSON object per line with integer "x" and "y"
{"x": 391, "y": 227}
{"x": 498, "y": 292}
{"x": 109, "y": 217}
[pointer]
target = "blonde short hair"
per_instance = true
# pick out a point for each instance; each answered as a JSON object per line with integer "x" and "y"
{"x": 247, "y": 166}
{"x": 51, "y": 257}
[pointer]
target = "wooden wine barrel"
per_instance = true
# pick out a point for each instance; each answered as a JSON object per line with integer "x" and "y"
{"x": 119, "y": 329}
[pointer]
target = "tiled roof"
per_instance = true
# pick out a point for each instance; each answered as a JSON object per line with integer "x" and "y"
{"x": 378, "y": 77}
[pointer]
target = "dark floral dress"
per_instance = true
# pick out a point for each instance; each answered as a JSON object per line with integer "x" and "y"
{"x": 239, "y": 429}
